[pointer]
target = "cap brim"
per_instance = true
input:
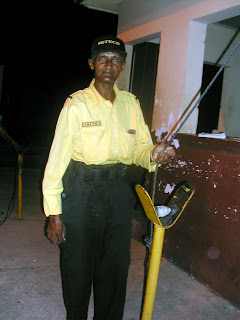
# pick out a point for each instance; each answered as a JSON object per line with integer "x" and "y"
{"x": 122, "y": 53}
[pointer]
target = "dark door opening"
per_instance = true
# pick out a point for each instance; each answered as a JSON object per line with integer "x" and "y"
{"x": 210, "y": 105}
{"x": 143, "y": 76}
{"x": 142, "y": 85}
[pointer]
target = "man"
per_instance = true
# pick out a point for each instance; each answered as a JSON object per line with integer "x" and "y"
{"x": 100, "y": 130}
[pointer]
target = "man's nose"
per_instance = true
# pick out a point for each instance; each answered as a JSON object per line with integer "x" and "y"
{"x": 109, "y": 63}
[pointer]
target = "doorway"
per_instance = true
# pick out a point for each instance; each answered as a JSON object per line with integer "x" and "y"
{"x": 143, "y": 76}
{"x": 142, "y": 85}
{"x": 210, "y": 105}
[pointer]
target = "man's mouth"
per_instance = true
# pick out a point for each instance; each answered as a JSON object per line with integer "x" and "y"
{"x": 108, "y": 73}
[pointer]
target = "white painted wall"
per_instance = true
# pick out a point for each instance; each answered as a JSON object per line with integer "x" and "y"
{"x": 193, "y": 74}
{"x": 217, "y": 39}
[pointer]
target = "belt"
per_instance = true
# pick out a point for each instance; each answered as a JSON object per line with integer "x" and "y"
{"x": 98, "y": 172}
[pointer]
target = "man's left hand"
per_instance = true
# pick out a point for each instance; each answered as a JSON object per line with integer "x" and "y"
{"x": 162, "y": 157}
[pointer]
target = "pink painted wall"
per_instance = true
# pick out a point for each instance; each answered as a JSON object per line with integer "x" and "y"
{"x": 173, "y": 56}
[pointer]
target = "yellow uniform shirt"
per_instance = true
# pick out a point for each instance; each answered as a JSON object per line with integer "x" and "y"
{"x": 92, "y": 130}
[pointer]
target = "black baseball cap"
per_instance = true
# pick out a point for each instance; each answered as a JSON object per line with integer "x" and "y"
{"x": 108, "y": 44}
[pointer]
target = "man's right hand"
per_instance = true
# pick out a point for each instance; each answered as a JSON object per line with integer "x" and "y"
{"x": 56, "y": 231}
{"x": 162, "y": 157}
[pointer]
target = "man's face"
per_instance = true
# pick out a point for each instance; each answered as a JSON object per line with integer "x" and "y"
{"x": 107, "y": 67}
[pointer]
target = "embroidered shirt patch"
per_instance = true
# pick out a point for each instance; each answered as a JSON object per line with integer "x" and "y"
{"x": 91, "y": 124}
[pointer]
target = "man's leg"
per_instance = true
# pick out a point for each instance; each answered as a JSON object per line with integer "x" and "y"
{"x": 77, "y": 252}
{"x": 113, "y": 256}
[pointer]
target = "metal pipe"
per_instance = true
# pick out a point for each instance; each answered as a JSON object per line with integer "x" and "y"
{"x": 153, "y": 272}
{"x": 20, "y": 167}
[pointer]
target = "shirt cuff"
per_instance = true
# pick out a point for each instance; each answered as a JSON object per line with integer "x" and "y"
{"x": 152, "y": 163}
{"x": 52, "y": 206}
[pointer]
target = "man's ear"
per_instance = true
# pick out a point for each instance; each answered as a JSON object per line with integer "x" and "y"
{"x": 91, "y": 64}
{"x": 123, "y": 66}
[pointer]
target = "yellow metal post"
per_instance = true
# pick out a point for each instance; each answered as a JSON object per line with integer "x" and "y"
{"x": 153, "y": 272}
{"x": 20, "y": 166}
{"x": 179, "y": 199}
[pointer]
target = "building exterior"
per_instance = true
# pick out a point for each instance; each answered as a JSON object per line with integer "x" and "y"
{"x": 206, "y": 240}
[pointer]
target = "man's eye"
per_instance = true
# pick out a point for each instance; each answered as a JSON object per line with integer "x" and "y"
{"x": 116, "y": 60}
{"x": 102, "y": 58}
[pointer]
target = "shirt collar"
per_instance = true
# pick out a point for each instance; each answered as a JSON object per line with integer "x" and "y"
{"x": 95, "y": 95}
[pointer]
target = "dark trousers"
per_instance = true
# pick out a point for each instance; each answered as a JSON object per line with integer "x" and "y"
{"x": 96, "y": 253}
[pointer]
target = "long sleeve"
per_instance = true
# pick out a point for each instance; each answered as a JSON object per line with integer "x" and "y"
{"x": 144, "y": 145}
{"x": 59, "y": 158}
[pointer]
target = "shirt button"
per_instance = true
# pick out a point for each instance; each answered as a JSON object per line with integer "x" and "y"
{"x": 115, "y": 150}
{"x": 114, "y": 131}
{"x": 94, "y": 137}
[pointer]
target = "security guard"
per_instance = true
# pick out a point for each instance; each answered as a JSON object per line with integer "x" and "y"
{"x": 99, "y": 132}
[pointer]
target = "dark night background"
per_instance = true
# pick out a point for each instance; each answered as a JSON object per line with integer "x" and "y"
{"x": 45, "y": 46}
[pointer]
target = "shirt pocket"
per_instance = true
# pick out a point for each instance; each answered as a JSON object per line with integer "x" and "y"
{"x": 127, "y": 143}
{"x": 94, "y": 143}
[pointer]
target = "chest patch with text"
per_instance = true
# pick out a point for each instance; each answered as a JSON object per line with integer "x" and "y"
{"x": 91, "y": 124}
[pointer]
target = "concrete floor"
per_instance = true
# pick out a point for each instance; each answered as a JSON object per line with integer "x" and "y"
{"x": 30, "y": 284}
